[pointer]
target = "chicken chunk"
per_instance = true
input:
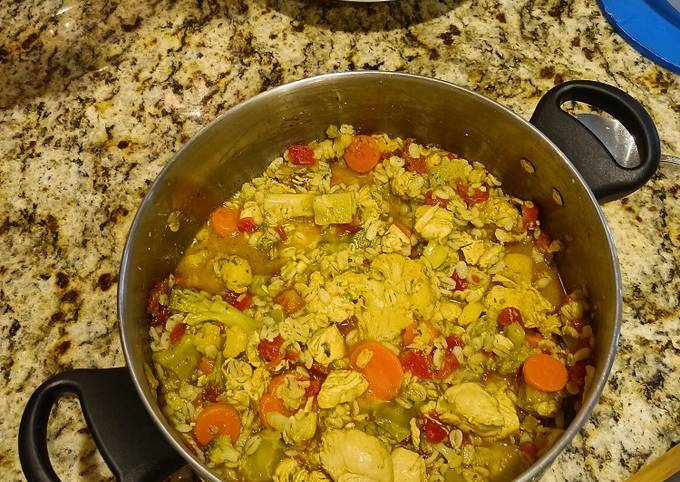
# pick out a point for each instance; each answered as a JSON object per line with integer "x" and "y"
{"x": 433, "y": 222}
{"x": 341, "y": 386}
{"x": 473, "y": 409}
{"x": 352, "y": 455}
{"x": 407, "y": 466}
{"x": 327, "y": 345}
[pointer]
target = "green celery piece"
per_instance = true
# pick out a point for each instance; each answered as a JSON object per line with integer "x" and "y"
{"x": 395, "y": 420}
{"x": 260, "y": 466}
{"x": 336, "y": 208}
{"x": 289, "y": 205}
{"x": 181, "y": 358}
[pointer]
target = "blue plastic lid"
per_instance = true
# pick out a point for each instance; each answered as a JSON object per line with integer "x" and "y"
{"x": 651, "y": 26}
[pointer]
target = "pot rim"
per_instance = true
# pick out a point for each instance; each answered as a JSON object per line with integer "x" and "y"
{"x": 540, "y": 465}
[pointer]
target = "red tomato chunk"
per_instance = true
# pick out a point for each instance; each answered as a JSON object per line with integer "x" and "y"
{"x": 301, "y": 155}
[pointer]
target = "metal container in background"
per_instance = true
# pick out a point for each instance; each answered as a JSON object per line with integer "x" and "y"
{"x": 557, "y": 162}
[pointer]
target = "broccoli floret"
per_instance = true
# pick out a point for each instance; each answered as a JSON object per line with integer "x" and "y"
{"x": 221, "y": 451}
{"x": 286, "y": 206}
{"x": 449, "y": 169}
{"x": 201, "y": 307}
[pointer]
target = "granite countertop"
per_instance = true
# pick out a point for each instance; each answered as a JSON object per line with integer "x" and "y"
{"x": 98, "y": 95}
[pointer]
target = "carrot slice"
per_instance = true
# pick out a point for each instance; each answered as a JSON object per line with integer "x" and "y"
{"x": 533, "y": 338}
{"x": 206, "y": 365}
{"x": 383, "y": 371}
{"x": 290, "y": 300}
{"x": 224, "y": 221}
{"x": 215, "y": 419}
{"x": 545, "y": 373}
{"x": 363, "y": 154}
{"x": 271, "y": 403}
{"x": 409, "y": 334}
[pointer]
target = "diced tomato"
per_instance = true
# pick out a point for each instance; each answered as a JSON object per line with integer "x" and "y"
{"x": 418, "y": 165}
{"x": 348, "y": 325}
{"x": 434, "y": 431}
{"x": 179, "y": 278}
{"x": 290, "y": 300}
{"x": 461, "y": 283}
{"x": 318, "y": 370}
{"x": 281, "y": 232}
{"x": 510, "y": 315}
{"x": 206, "y": 365}
{"x": 530, "y": 450}
{"x": 477, "y": 196}
{"x": 246, "y": 225}
{"x": 533, "y": 337}
{"x": 240, "y": 301}
{"x": 449, "y": 365}
{"x": 210, "y": 393}
{"x": 301, "y": 155}
{"x": 269, "y": 349}
{"x": 416, "y": 362}
{"x": 159, "y": 313}
{"x": 577, "y": 374}
{"x": 454, "y": 341}
{"x": 430, "y": 200}
{"x": 582, "y": 343}
{"x": 543, "y": 242}
{"x": 578, "y": 324}
{"x": 177, "y": 333}
{"x": 313, "y": 388}
{"x": 244, "y": 301}
{"x": 529, "y": 215}
{"x": 346, "y": 229}
{"x": 292, "y": 355}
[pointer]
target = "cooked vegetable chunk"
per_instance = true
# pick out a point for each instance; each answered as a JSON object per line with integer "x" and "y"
{"x": 236, "y": 273}
{"x": 286, "y": 206}
{"x": 336, "y": 208}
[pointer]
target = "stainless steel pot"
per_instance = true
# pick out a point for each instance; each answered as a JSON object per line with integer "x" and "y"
{"x": 238, "y": 145}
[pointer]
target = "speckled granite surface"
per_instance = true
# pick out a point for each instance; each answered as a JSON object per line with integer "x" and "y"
{"x": 97, "y": 95}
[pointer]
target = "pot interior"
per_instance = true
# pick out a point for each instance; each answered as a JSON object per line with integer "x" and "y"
{"x": 239, "y": 145}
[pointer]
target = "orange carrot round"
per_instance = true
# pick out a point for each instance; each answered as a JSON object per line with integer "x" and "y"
{"x": 206, "y": 365}
{"x": 383, "y": 371}
{"x": 363, "y": 154}
{"x": 545, "y": 373}
{"x": 217, "y": 419}
{"x": 271, "y": 403}
{"x": 409, "y": 334}
{"x": 534, "y": 338}
{"x": 224, "y": 221}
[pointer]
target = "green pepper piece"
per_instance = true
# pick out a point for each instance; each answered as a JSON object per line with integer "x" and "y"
{"x": 181, "y": 358}
{"x": 395, "y": 420}
{"x": 260, "y": 466}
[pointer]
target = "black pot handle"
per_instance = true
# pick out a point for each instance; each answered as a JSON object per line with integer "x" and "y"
{"x": 131, "y": 444}
{"x": 607, "y": 179}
